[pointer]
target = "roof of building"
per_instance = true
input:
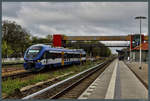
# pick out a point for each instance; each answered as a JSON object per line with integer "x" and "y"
{"x": 144, "y": 46}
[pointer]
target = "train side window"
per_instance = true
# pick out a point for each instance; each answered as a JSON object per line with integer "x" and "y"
{"x": 69, "y": 56}
{"x": 49, "y": 55}
{"x": 59, "y": 55}
{"x": 53, "y": 55}
{"x": 78, "y": 55}
{"x": 44, "y": 56}
{"x": 83, "y": 55}
{"x": 65, "y": 55}
{"x": 74, "y": 55}
{"x": 56, "y": 55}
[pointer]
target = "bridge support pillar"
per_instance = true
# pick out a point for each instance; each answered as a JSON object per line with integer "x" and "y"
{"x": 57, "y": 40}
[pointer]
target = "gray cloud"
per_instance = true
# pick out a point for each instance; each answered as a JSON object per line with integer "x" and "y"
{"x": 10, "y": 9}
{"x": 91, "y": 18}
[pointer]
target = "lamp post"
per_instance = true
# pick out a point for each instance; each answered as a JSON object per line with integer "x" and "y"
{"x": 140, "y": 18}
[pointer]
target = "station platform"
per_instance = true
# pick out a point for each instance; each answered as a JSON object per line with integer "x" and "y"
{"x": 116, "y": 82}
{"x": 141, "y": 73}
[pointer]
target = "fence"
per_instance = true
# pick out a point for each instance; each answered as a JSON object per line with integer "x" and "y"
{"x": 12, "y": 59}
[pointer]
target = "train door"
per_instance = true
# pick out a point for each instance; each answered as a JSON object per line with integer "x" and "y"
{"x": 62, "y": 56}
{"x": 80, "y": 58}
{"x": 45, "y": 57}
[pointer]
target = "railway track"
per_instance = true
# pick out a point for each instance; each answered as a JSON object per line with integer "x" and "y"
{"x": 16, "y": 75}
{"x": 13, "y": 73}
{"x": 11, "y": 69}
{"x": 25, "y": 74}
{"x": 11, "y": 64}
{"x": 72, "y": 87}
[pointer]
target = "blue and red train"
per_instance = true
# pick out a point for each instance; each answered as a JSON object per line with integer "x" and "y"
{"x": 40, "y": 56}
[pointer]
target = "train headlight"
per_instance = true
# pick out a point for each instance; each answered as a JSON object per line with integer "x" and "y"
{"x": 38, "y": 60}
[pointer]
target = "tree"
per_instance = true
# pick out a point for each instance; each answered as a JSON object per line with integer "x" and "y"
{"x": 92, "y": 48}
{"x": 6, "y": 50}
{"x": 46, "y": 40}
{"x": 16, "y": 37}
{"x": 49, "y": 38}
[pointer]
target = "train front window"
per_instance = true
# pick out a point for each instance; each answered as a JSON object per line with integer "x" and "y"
{"x": 33, "y": 52}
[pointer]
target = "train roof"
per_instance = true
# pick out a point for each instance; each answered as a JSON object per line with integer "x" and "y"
{"x": 54, "y": 49}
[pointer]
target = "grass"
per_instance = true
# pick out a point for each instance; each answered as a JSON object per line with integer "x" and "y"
{"x": 9, "y": 86}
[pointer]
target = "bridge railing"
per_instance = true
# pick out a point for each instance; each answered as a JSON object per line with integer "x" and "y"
{"x": 116, "y": 44}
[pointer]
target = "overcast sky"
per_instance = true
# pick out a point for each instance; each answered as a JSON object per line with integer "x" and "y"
{"x": 77, "y": 18}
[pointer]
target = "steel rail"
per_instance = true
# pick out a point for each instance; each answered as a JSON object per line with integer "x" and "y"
{"x": 74, "y": 84}
{"x": 11, "y": 64}
{"x": 13, "y": 76}
{"x": 63, "y": 81}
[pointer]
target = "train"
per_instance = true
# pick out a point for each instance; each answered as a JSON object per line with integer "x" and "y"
{"x": 121, "y": 57}
{"x": 40, "y": 56}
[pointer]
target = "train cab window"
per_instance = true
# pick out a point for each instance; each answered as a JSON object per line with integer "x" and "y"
{"x": 33, "y": 52}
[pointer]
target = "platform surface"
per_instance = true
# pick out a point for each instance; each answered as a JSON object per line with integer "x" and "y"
{"x": 142, "y": 73}
{"x": 116, "y": 82}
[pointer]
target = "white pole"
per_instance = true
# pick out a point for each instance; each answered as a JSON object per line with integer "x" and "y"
{"x": 140, "y": 47}
{"x": 130, "y": 49}
{"x": 140, "y": 17}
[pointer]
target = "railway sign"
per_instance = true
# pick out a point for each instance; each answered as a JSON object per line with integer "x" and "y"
{"x": 135, "y": 40}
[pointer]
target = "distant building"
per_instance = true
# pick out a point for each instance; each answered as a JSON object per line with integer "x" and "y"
{"x": 135, "y": 53}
